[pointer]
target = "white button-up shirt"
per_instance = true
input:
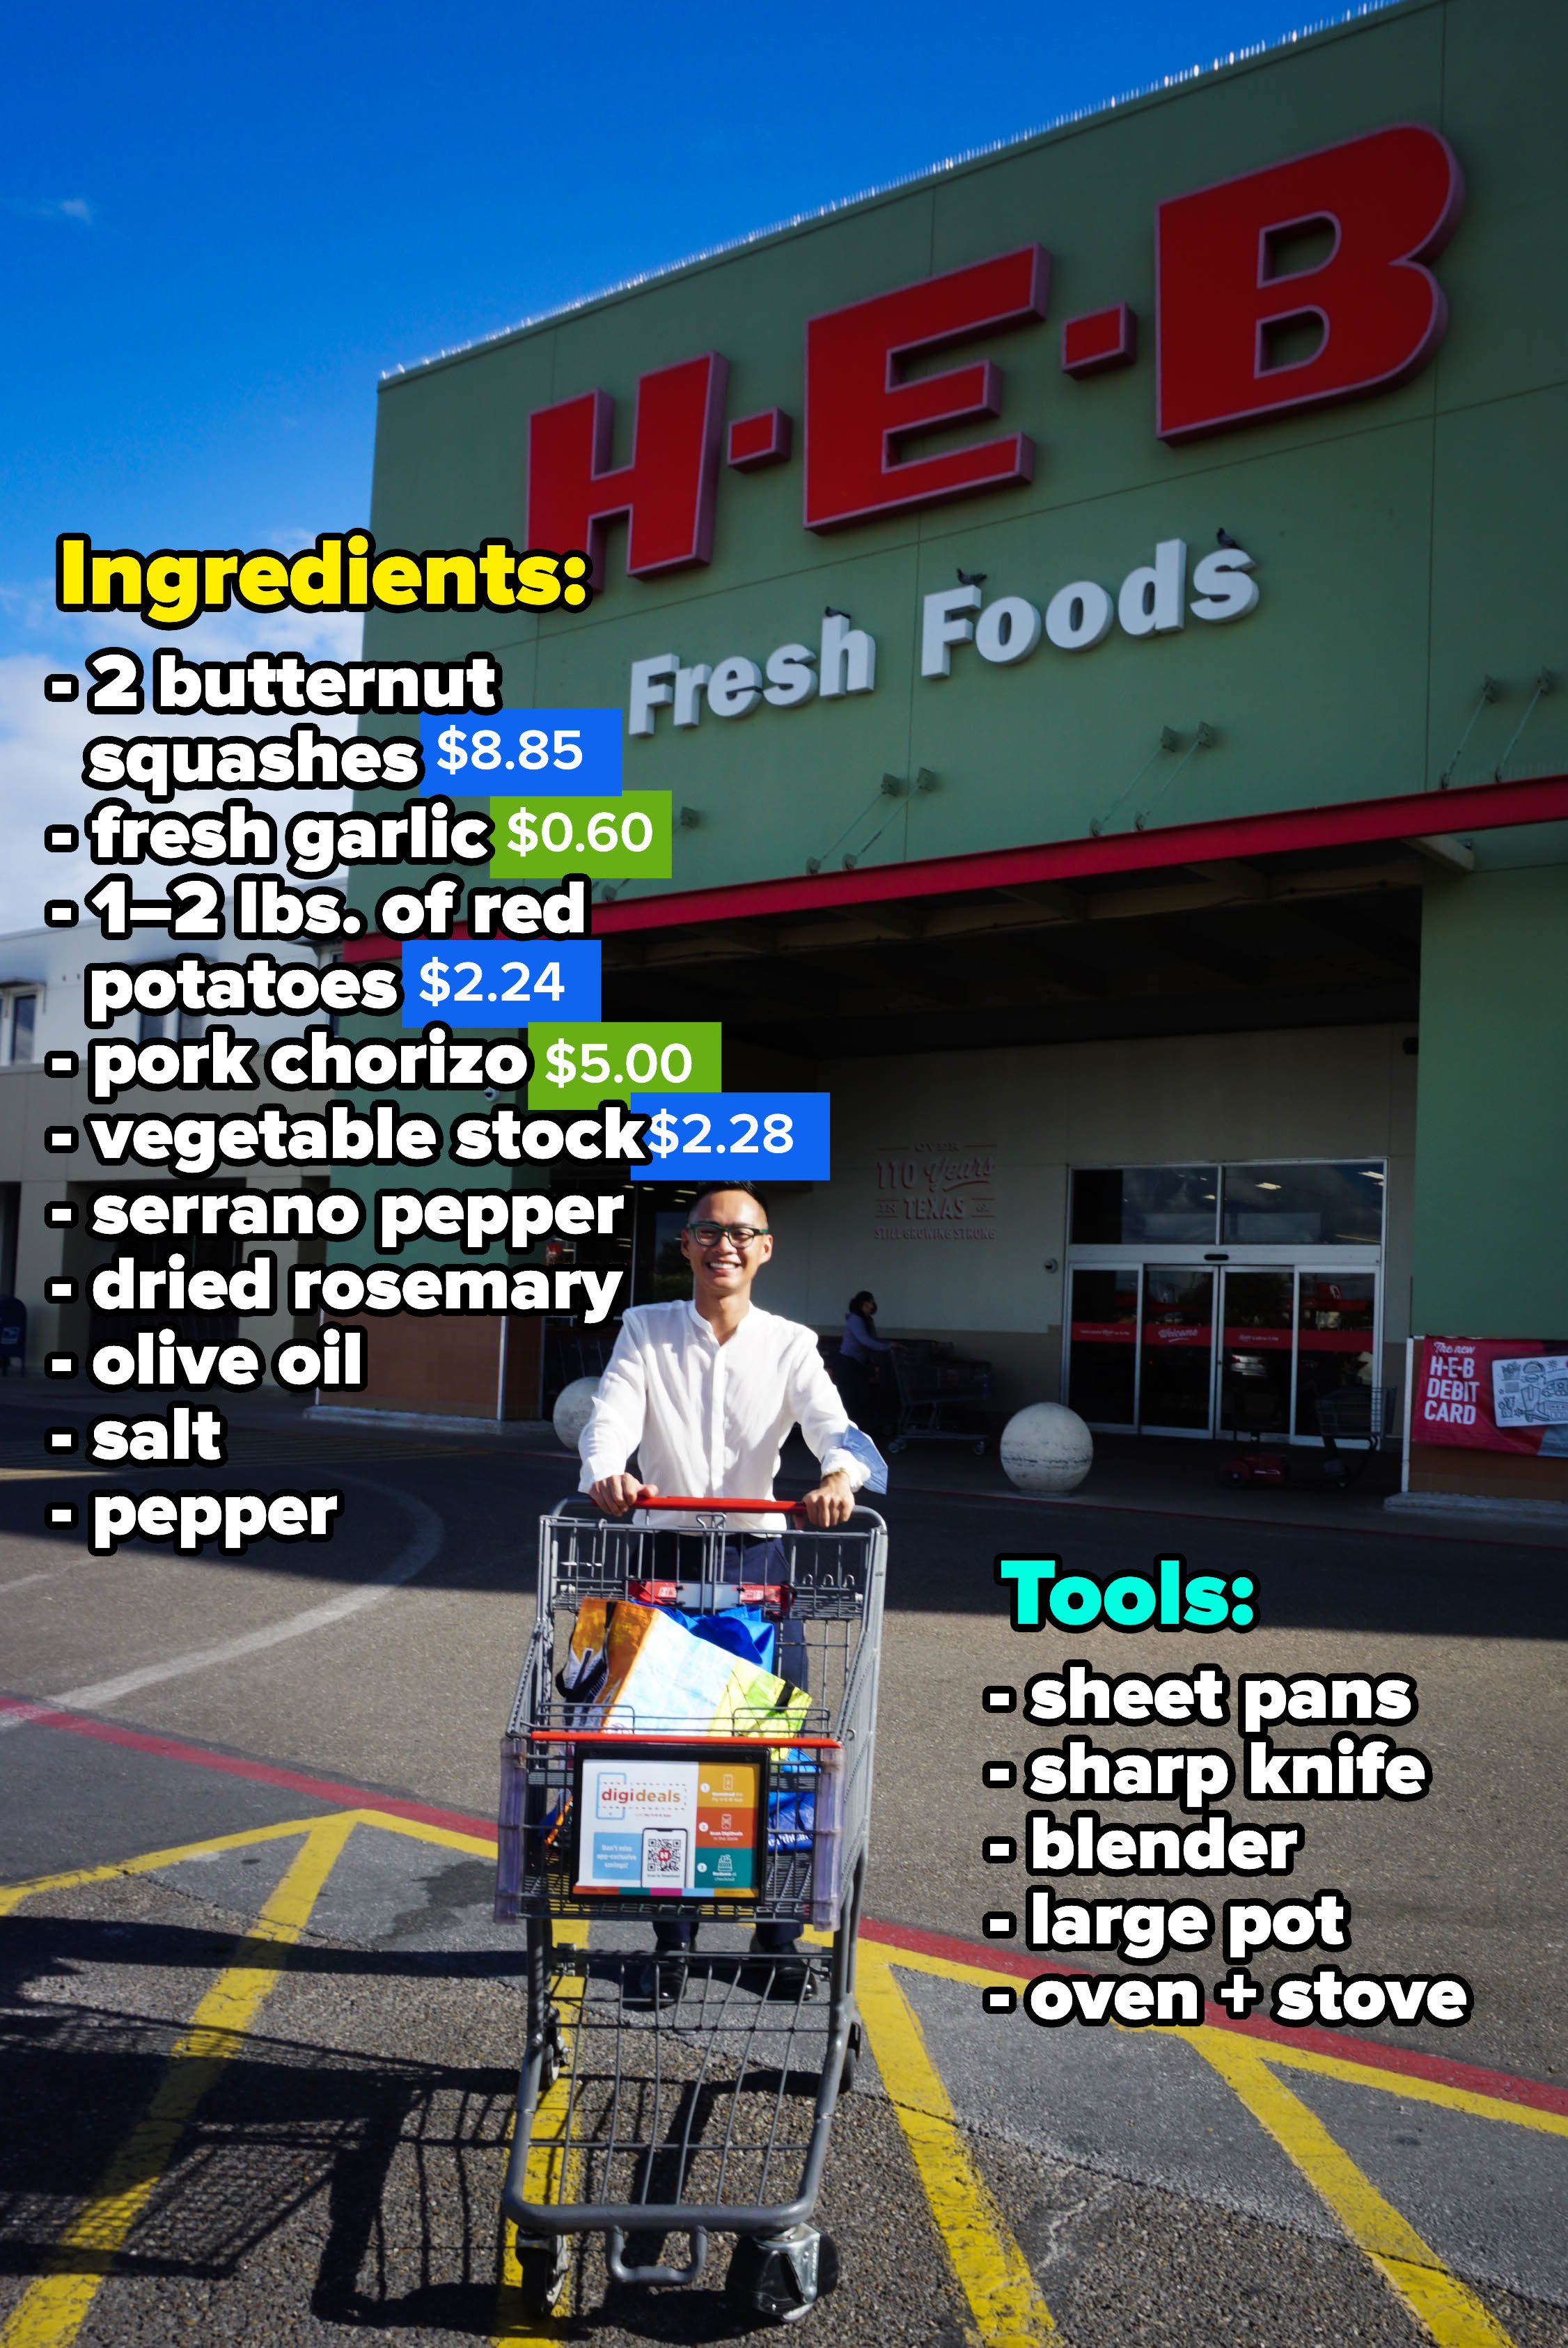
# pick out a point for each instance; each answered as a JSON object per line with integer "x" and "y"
{"x": 712, "y": 1419}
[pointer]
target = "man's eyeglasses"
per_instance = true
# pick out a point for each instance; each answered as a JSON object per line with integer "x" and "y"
{"x": 708, "y": 1235}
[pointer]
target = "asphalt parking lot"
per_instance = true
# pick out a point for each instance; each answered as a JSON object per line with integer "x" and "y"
{"x": 263, "y": 2033}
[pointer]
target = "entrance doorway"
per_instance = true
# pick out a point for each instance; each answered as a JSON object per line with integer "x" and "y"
{"x": 1238, "y": 1349}
{"x": 1209, "y": 1300}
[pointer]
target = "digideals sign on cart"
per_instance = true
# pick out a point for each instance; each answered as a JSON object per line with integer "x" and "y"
{"x": 1492, "y": 1394}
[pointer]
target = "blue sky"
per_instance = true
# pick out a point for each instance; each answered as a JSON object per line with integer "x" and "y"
{"x": 219, "y": 225}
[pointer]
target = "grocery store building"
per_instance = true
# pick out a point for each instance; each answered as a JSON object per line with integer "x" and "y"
{"x": 1099, "y": 609}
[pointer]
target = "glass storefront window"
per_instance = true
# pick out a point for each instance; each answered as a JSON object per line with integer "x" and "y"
{"x": 1102, "y": 1381}
{"x": 1169, "y": 1206}
{"x": 1334, "y": 1319}
{"x": 1321, "y": 1204}
{"x": 24, "y": 1010}
{"x": 1255, "y": 1356}
{"x": 1178, "y": 1342}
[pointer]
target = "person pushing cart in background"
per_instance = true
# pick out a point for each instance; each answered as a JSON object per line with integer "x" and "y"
{"x": 705, "y": 1392}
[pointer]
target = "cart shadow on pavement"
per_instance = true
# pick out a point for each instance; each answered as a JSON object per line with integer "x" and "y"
{"x": 375, "y": 2174}
{"x": 360, "y": 2181}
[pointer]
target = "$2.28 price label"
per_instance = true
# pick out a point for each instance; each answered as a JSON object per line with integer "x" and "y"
{"x": 610, "y": 839}
{"x": 759, "y": 1136}
{"x": 571, "y": 753}
{"x": 577, "y": 1067}
{"x": 500, "y": 982}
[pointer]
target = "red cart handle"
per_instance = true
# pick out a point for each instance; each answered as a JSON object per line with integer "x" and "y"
{"x": 646, "y": 1500}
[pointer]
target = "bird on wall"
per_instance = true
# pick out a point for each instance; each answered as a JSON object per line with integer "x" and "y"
{"x": 1224, "y": 539}
{"x": 972, "y": 578}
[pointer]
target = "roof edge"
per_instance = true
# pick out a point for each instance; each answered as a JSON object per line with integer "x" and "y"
{"x": 928, "y": 174}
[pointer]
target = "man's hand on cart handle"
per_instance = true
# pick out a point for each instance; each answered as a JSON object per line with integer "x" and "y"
{"x": 832, "y": 1502}
{"x": 617, "y": 1496}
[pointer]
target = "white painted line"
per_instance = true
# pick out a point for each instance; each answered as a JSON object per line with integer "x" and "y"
{"x": 429, "y": 1534}
{"x": 28, "y": 1578}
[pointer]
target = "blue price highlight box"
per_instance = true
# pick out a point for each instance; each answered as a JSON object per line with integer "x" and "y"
{"x": 572, "y": 753}
{"x": 706, "y": 1137}
{"x": 500, "y": 982}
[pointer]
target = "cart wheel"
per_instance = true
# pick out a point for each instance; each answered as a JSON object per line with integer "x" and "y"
{"x": 782, "y": 2280}
{"x": 851, "y": 2059}
{"x": 555, "y": 2058}
{"x": 545, "y": 2267}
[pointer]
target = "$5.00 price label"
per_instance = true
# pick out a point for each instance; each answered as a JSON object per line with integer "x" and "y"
{"x": 610, "y": 839}
{"x": 571, "y": 753}
{"x": 703, "y": 1136}
{"x": 577, "y": 1067}
{"x": 500, "y": 982}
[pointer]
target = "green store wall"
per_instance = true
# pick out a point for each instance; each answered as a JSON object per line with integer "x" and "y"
{"x": 1491, "y": 1117}
{"x": 1409, "y": 546}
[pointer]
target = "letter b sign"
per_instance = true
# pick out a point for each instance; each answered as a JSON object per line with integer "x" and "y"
{"x": 1229, "y": 299}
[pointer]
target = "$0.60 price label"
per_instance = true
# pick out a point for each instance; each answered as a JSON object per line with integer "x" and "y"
{"x": 610, "y": 839}
{"x": 500, "y": 982}
{"x": 577, "y": 1067}
{"x": 704, "y": 1137}
{"x": 571, "y": 753}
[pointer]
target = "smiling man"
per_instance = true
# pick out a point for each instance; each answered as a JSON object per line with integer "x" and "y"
{"x": 705, "y": 1394}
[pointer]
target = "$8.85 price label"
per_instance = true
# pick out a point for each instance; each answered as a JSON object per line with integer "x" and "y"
{"x": 755, "y": 1137}
{"x": 610, "y": 839}
{"x": 579, "y": 1067}
{"x": 571, "y": 752}
{"x": 500, "y": 982}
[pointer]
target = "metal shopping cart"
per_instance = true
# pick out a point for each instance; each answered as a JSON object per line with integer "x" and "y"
{"x": 702, "y": 2107}
{"x": 1366, "y": 1417}
{"x": 931, "y": 1385}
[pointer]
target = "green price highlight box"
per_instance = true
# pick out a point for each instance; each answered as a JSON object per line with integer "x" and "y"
{"x": 539, "y": 838}
{"x": 579, "y": 1066}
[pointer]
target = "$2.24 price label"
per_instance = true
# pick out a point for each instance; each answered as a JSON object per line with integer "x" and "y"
{"x": 610, "y": 839}
{"x": 577, "y": 1067}
{"x": 569, "y": 753}
{"x": 760, "y": 1136}
{"x": 500, "y": 983}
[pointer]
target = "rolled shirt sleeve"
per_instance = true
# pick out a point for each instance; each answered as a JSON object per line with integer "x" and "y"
{"x": 614, "y": 1426}
{"x": 818, "y": 1407}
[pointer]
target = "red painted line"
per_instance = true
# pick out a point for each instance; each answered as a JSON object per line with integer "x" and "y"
{"x": 1438, "y": 2068}
{"x": 260, "y": 1773}
{"x": 1481, "y": 807}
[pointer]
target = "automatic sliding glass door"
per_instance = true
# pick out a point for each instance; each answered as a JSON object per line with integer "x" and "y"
{"x": 1256, "y": 1352}
{"x": 1177, "y": 1354}
{"x": 1102, "y": 1360}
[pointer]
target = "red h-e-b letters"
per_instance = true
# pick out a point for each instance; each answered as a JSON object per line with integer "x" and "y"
{"x": 1391, "y": 199}
{"x": 857, "y": 411}
{"x": 666, "y": 493}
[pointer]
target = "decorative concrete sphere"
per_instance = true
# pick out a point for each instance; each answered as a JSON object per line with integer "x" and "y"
{"x": 1046, "y": 1448}
{"x": 573, "y": 1406}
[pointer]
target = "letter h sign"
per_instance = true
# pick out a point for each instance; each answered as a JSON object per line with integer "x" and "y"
{"x": 666, "y": 493}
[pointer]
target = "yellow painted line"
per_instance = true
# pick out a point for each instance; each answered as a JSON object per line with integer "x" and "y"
{"x": 13, "y": 1894}
{"x": 1299, "y": 2058}
{"x": 1436, "y": 2297}
{"x": 542, "y": 2177}
{"x": 51, "y": 2311}
{"x": 1399, "y": 2082}
{"x": 991, "y": 2272}
{"x": 453, "y": 1837}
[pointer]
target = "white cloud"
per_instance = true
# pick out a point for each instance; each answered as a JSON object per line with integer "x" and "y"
{"x": 70, "y": 208}
{"x": 41, "y": 744}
